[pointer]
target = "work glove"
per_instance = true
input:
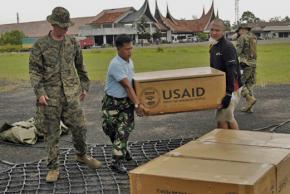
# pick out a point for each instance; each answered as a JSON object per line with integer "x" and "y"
{"x": 226, "y": 101}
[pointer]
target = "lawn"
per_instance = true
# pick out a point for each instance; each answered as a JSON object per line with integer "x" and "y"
{"x": 273, "y": 62}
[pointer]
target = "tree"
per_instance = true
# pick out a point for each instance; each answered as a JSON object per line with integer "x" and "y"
{"x": 286, "y": 19}
{"x": 249, "y": 17}
{"x": 141, "y": 25}
{"x": 202, "y": 36}
{"x": 143, "y": 32}
{"x": 275, "y": 19}
{"x": 145, "y": 35}
{"x": 157, "y": 35}
{"x": 13, "y": 37}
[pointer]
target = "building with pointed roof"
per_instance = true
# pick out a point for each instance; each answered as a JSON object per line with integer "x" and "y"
{"x": 112, "y": 22}
{"x": 136, "y": 16}
{"x": 138, "y": 22}
{"x": 203, "y": 12}
{"x": 182, "y": 29}
{"x": 132, "y": 22}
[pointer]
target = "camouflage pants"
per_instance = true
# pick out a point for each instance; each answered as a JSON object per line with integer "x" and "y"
{"x": 118, "y": 122}
{"x": 249, "y": 80}
{"x": 49, "y": 118}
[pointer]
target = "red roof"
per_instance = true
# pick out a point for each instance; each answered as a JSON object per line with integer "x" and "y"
{"x": 203, "y": 23}
{"x": 41, "y": 28}
{"x": 112, "y": 15}
{"x": 185, "y": 26}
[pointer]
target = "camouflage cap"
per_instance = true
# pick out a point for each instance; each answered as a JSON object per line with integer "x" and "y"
{"x": 61, "y": 17}
{"x": 244, "y": 26}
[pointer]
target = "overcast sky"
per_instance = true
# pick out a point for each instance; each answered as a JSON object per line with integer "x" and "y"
{"x": 34, "y": 10}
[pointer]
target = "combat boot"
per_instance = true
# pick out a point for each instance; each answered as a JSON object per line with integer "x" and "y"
{"x": 128, "y": 155}
{"x": 117, "y": 165}
{"x": 91, "y": 162}
{"x": 52, "y": 176}
{"x": 251, "y": 110}
{"x": 251, "y": 100}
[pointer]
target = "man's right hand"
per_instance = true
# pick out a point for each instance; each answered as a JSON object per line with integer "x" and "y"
{"x": 43, "y": 100}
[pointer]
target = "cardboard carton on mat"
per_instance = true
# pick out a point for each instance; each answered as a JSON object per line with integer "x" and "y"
{"x": 197, "y": 176}
{"x": 242, "y": 137}
{"x": 280, "y": 158}
{"x": 180, "y": 90}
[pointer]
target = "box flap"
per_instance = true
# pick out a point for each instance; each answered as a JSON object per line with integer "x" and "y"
{"x": 248, "y": 138}
{"x": 231, "y": 152}
{"x": 204, "y": 170}
{"x": 177, "y": 74}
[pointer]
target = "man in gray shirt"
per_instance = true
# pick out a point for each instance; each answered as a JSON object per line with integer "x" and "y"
{"x": 119, "y": 103}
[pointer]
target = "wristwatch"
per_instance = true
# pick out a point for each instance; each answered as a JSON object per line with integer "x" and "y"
{"x": 137, "y": 105}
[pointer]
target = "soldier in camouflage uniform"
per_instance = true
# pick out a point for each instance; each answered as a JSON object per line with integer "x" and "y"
{"x": 246, "y": 50}
{"x": 119, "y": 103}
{"x": 60, "y": 81}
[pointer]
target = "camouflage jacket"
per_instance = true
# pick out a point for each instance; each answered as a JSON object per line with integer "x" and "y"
{"x": 57, "y": 64}
{"x": 247, "y": 49}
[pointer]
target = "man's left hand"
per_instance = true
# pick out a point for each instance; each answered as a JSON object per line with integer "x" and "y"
{"x": 83, "y": 95}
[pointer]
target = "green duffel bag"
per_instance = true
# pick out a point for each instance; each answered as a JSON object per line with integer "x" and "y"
{"x": 23, "y": 132}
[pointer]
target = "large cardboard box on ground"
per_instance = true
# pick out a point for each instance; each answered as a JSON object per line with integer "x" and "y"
{"x": 280, "y": 158}
{"x": 262, "y": 139}
{"x": 197, "y": 176}
{"x": 180, "y": 90}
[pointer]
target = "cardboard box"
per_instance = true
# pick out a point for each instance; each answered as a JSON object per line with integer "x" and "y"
{"x": 280, "y": 158}
{"x": 196, "y": 176}
{"x": 180, "y": 90}
{"x": 248, "y": 138}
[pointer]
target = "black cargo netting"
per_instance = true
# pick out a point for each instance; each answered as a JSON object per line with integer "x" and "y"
{"x": 78, "y": 178}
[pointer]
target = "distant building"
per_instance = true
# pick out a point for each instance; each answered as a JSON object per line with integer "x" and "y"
{"x": 110, "y": 23}
{"x": 272, "y": 30}
{"x": 35, "y": 30}
{"x": 183, "y": 29}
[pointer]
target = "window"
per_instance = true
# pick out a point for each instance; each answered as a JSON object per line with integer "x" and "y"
{"x": 283, "y": 34}
{"x": 107, "y": 25}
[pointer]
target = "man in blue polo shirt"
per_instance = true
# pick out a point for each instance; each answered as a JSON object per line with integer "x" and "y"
{"x": 119, "y": 103}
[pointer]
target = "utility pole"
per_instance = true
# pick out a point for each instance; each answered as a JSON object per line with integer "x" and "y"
{"x": 237, "y": 11}
{"x": 18, "y": 20}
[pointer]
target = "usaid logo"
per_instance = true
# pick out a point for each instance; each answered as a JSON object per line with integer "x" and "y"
{"x": 150, "y": 97}
{"x": 183, "y": 93}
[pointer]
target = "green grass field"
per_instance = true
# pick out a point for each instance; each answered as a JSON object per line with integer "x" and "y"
{"x": 273, "y": 62}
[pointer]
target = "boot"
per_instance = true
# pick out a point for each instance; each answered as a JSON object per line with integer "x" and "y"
{"x": 91, "y": 162}
{"x": 128, "y": 155}
{"x": 117, "y": 165}
{"x": 251, "y": 100}
{"x": 249, "y": 111}
{"x": 52, "y": 176}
